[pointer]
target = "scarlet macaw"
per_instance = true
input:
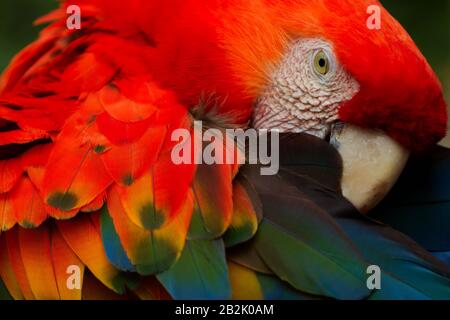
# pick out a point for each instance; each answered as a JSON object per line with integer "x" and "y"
{"x": 86, "y": 118}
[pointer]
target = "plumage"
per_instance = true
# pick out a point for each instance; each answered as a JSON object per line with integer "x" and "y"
{"x": 62, "y": 258}
{"x": 288, "y": 243}
{"x": 12, "y": 169}
{"x": 111, "y": 242}
{"x": 7, "y": 217}
{"x": 151, "y": 289}
{"x": 200, "y": 273}
{"x": 129, "y": 162}
{"x": 247, "y": 256}
{"x": 443, "y": 256}
{"x": 410, "y": 271}
{"x": 154, "y": 200}
{"x": 120, "y": 133}
{"x": 95, "y": 205}
{"x": 27, "y": 204}
{"x": 12, "y": 245}
{"x": 78, "y": 187}
{"x": 10, "y": 173}
{"x": 214, "y": 206}
{"x": 7, "y": 272}
{"x": 4, "y": 294}
{"x": 130, "y": 101}
{"x": 245, "y": 218}
{"x": 85, "y": 241}
{"x": 95, "y": 290}
{"x": 25, "y": 60}
{"x": 419, "y": 204}
{"x": 151, "y": 251}
{"x": 87, "y": 177}
{"x": 35, "y": 250}
{"x": 88, "y": 72}
{"x": 249, "y": 285}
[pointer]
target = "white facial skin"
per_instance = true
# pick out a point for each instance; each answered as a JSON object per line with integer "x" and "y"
{"x": 304, "y": 96}
{"x": 301, "y": 97}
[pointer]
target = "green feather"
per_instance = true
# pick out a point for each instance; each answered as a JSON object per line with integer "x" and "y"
{"x": 200, "y": 273}
{"x": 245, "y": 255}
{"x": 197, "y": 229}
{"x": 313, "y": 238}
{"x": 316, "y": 260}
{"x": 4, "y": 294}
{"x": 275, "y": 289}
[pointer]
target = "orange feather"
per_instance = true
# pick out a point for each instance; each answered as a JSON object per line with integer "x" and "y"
{"x": 7, "y": 217}
{"x": 151, "y": 251}
{"x": 17, "y": 264}
{"x": 128, "y": 162}
{"x": 215, "y": 205}
{"x": 7, "y": 272}
{"x": 28, "y": 206}
{"x": 74, "y": 177}
{"x": 153, "y": 200}
{"x": 84, "y": 239}
{"x": 62, "y": 258}
{"x": 35, "y": 249}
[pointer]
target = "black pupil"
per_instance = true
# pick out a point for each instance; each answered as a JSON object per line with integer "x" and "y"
{"x": 322, "y": 62}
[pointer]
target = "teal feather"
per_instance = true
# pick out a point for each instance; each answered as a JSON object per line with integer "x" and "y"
{"x": 111, "y": 242}
{"x": 197, "y": 229}
{"x": 295, "y": 234}
{"x": 4, "y": 294}
{"x": 443, "y": 256}
{"x": 315, "y": 259}
{"x": 408, "y": 271}
{"x": 246, "y": 255}
{"x": 275, "y": 289}
{"x": 200, "y": 273}
{"x": 302, "y": 211}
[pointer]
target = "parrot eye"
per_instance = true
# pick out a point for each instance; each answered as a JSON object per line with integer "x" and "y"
{"x": 321, "y": 63}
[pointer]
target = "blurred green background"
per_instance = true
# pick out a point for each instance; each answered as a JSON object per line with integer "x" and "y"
{"x": 427, "y": 21}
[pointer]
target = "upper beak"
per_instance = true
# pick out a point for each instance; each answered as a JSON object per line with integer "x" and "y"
{"x": 372, "y": 163}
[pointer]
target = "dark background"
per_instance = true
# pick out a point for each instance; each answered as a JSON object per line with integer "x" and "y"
{"x": 428, "y": 22}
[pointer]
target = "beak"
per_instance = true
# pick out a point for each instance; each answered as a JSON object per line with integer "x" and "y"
{"x": 372, "y": 163}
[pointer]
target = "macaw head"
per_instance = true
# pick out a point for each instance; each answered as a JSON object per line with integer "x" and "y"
{"x": 369, "y": 89}
{"x": 318, "y": 67}
{"x": 321, "y": 61}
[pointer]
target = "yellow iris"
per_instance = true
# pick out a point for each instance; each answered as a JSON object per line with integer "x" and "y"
{"x": 321, "y": 63}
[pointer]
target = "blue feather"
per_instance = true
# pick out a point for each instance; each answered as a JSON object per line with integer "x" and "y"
{"x": 408, "y": 271}
{"x": 111, "y": 242}
{"x": 443, "y": 256}
{"x": 419, "y": 204}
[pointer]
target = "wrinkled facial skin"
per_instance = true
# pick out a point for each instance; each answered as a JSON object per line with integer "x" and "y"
{"x": 299, "y": 98}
